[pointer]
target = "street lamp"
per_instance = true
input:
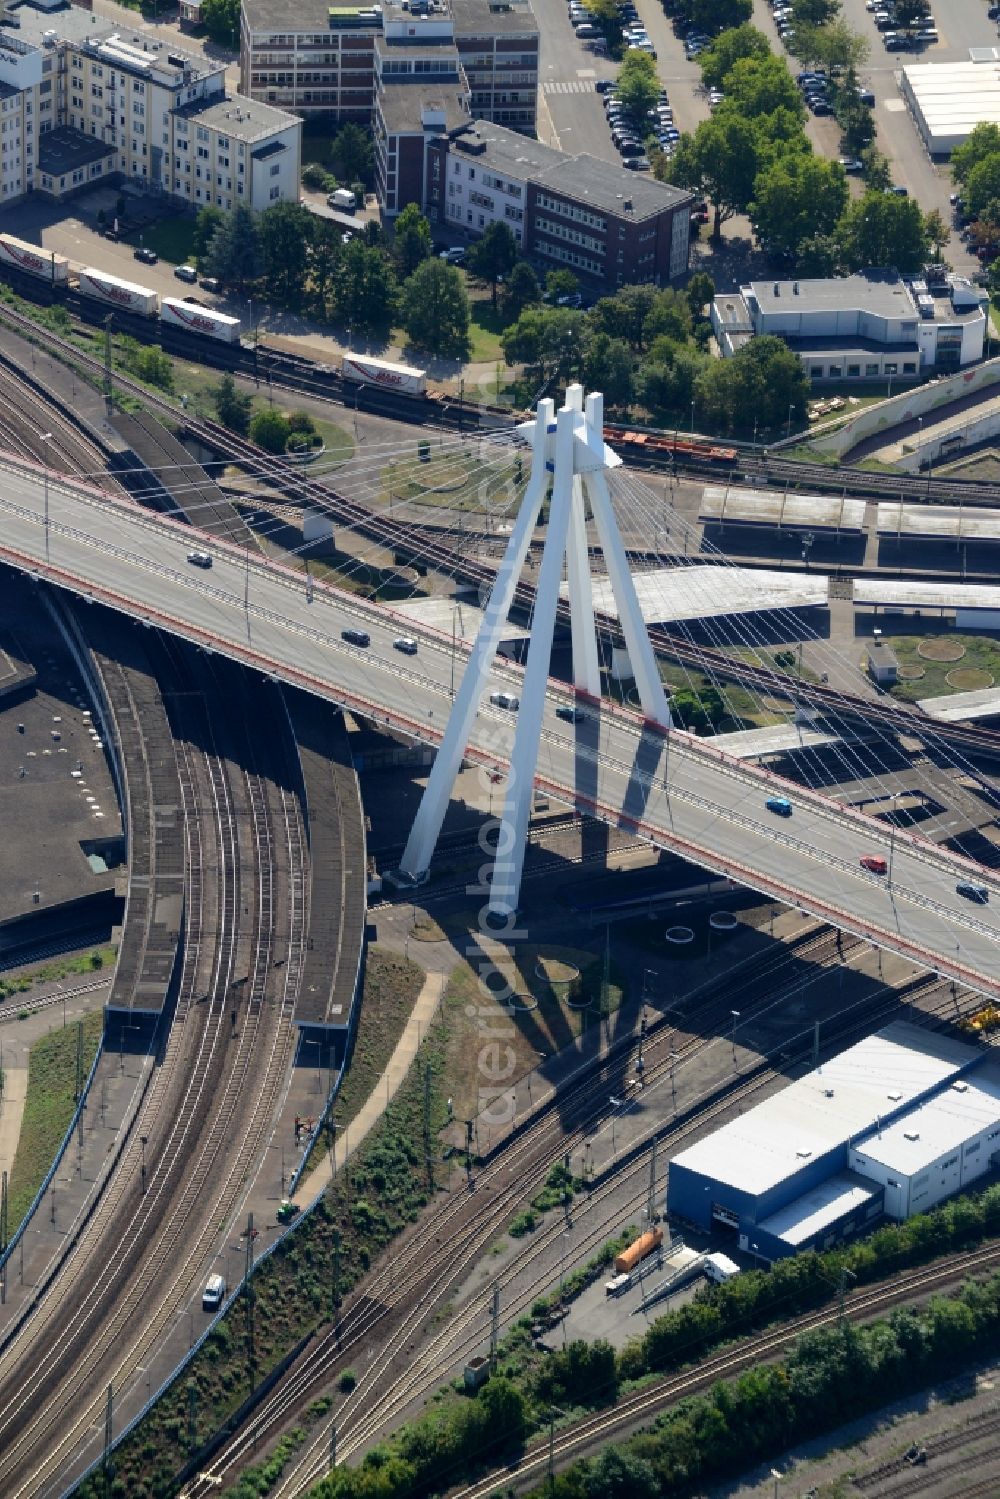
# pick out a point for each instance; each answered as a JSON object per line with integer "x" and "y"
{"x": 692, "y": 417}
{"x": 46, "y": 437}
{"x": 736, "y": 1015}
{"x": 788, "y": 424}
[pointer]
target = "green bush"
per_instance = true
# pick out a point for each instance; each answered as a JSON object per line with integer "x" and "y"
{"x": 269, "y": 430}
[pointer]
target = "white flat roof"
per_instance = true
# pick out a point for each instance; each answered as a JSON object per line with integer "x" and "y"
{"x": 954, "y": 97}
{"x": 778, "y": 739}
{"x": 933, "y": 595}
{"x": 817, "y": 1209}
{"x": 772, "y": 507}
{"x": 937, "y": 521}
{"x": 704, "y": 591}
{"x": 944, "y": 1123}
{"x": 956, "y": 707}
{"x": 828, "y": 1107}
{"x": 438, "y": 614}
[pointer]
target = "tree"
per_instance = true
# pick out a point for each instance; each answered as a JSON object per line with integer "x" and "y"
{"x": 365, "y": 291}
{"x": 561, "y": 284}
{"x": 763, "y": 384}
{"x": 151, "y": 365}
{"x": 881, "y": 229}
{"x": 234, "y": 253}
{"x": 797, "y": 198}
{"x": 352, "y": 154}
{"x": 711, "y": 16}
{"x": 607, "y": 367}
{"x": 699, "y": 291}
{"x": 520, "y": 290}
{"x": 878, "y": 173}
{"x": 814, "y": 12}
{"x": 624, "y": 315}
{"x": 719, "y": 160}
{"x": 759, "y": 86}
{"x": 638, "y": 84}
{"x": 937, "y": 232}
{"x": 208, "y": 220}
{"x": 411, "y": 240}
{"x": 983, "y": 141}
{"x": 316, "y": 177}
{"x": 285, "y": 239}
{"x": 522, "y": 341}
{"x": 819, "y": 255}
{"x": 551, "y": 340}
{"x": 620, "y": 1474}
{"x": 221, "y": 19}
{"x": 436, "y": 309}
{"x": 269, "y": 430}
{"x": 493, "y": 256}
{"x": 856, "y": 121}
{"x": 666, "y": 378}
{"x": 727, "y": 48}
{"x": 232, "y": 406}
{"x": 982, "y": 185}
{"x": 834, "y": 46}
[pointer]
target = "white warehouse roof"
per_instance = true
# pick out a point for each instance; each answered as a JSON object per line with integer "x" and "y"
{"x": 970, "y": 1106}
{"x": 826, "y": 1203}
{"x": 949, "y": 99}
{"x": 907, "y": 594}
{"x": 828, "y": 1107}
{"x": 705, "y": 591}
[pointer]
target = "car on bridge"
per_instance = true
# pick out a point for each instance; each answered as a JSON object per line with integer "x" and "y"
{"x": 199, "y": 559}
{"x": 779, "y": 805}
{"x": 874, "y": 863}
{"x": 505, "y": 700}
{"x": 969, "y": 890}
{"x": 568, "y": 712}
{"x": 406, "y": 644}
{"x": 356, "y": 637}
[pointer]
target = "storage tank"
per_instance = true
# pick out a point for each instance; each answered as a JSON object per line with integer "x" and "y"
{"x": 33, "y": 259}
{"x": 402, "y": 377}
{"x": 177, "y": 313}
{"x": 116, "y": 293}
{"x": 626, "y": 1262}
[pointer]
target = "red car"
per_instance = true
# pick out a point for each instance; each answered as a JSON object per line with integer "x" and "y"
{"x": 874, "y": 863}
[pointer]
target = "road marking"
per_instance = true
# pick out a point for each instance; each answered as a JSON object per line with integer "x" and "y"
{"x": 566, "y": 86}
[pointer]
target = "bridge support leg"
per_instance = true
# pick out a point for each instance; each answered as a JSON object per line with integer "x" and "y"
{"x": 586, "y": 667}
{"x": 513, "y": 832}
{"x": 434, "y": 803}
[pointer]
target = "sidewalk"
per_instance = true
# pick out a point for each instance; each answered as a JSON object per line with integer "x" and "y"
{"x": 377, "y": 1102}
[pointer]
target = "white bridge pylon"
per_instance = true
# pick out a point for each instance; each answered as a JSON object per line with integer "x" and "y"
{"x": 569, "y": 450}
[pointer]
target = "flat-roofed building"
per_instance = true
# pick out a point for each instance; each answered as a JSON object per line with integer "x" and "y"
{"x": 868, "y": 326}
{"x": 610, "y": 226}
{"x": 949, "y": 99}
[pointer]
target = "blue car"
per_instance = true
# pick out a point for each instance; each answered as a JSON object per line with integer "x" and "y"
{"x": 977, "y": 893}
{"x": 779, "y": 804}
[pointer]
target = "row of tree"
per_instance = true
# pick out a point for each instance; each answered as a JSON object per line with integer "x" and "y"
{"x": 753, "y": 157}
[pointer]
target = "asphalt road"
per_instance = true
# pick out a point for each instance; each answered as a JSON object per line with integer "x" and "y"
{"x": 570, "y": 114}
{"x": 680, "y": 794}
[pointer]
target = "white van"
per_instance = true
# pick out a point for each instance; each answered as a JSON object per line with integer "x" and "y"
{"x": 505, "y": 700}
{"x": 618, "y": 1286}
{"x": 214, "y": 1293}
{"x": 719, "y": 1268}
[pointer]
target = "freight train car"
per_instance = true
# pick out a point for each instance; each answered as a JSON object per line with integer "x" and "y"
{"x": 194, "y": 318}
{"x": 665, "y": 445}
{"x": 626, "y": 1262}
{"x": 404, "y": 378}
{"x": 33, "y": 260}
{"x": 125, "y": 295}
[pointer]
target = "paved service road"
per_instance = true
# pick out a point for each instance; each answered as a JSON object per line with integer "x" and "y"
{"x": 570, "y": 112}
{"x": 679, "y": 793}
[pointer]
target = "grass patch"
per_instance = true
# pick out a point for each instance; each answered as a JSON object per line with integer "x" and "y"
{"x": 980, "y": 654}
{"x": 24, "y": 979}
{"x": 452, "y": 480}
{"x": 171, "y": 238}
{"x": 488, "y": 1048}
{"x": 485, "y": 327}
{"x": 48, "y": 1107}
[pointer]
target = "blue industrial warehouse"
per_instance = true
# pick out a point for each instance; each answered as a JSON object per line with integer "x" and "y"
{"x": 889, "y": 1127}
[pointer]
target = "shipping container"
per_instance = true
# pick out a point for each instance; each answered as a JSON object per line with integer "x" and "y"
{"x": 626, "y": 1262}
{"x": 117, "y": 293}
{"x": 402, "y": 377}
{"x": 33, "y": 259}
{"x": 198, "y": 319}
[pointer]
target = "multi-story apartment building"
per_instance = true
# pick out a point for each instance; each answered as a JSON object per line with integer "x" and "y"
{"x": 610, "y": 226}
{"x": 317, "y": 58}
{"x": 102, "y": 102}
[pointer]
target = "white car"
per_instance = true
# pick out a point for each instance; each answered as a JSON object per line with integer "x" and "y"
{"x": 454, "y": 255}
{"x": 406, "y": 644}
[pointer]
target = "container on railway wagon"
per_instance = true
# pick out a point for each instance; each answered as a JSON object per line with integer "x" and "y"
{"x": 34, "y": 260}
{"x": 626, "y": 1262}
{"x": 402, "y": 377}
{"x": 202, "y": 320}
{"x": 117, "y": 293}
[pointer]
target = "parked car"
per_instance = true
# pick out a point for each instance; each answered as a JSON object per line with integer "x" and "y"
{"x": 637, "y": 164}
{"x": 852, "y": 164}
{"x": 213, "y": 1294}
{"x": 147, "y": 256}
{"x": 874, "y": 863}
{"x": 186, "y": 273}
{"x": 454, "y": 255}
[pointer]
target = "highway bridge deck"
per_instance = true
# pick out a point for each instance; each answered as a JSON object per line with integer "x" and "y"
{"x": 337, "y": 866}
{"x": 154, "y": 913}
{"x": 166, "y": 476}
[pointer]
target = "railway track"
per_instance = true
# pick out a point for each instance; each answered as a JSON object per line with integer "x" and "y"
{"x": 976, "y": 1429}
{"x": 636, "y": 1410}
{"x": 205, "y": 1117}
{"x": 401, "y": 1295}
